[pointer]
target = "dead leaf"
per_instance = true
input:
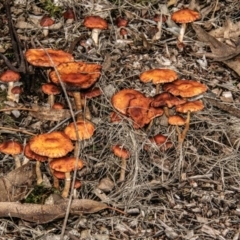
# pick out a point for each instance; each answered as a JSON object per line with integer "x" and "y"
{"x": 228, "y": 30}
{"x": 47, "y": 213}
{"x": 47, "y": 114}
{"x": 15, "y": 185}
{"x": 220, "y": 51}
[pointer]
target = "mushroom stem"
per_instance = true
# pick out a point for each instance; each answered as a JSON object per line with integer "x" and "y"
{"x": 55, "y": 179}
{"x": 182, "y": 32}
{"x": 95, "y": 34}
{"x": 123, "y": 170}
{"x": 51, "y": 99}
{"x": 39, "y": 173}
{"x": 186, "y": 128}
{"x": 10, "y": 95}
{"x": 17, "y": 161}
{"x": 67, "y": 185}
{"x": 87, "y": 113}
{"x": 78, "y": 104}
{"x": 166, "y": 111}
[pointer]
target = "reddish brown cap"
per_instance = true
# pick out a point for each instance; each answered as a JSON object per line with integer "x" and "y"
{"x": 123, "y": 32}
{"x": 157, "y": 76}
{"x": 185, "y": 88}
{"x": 85, "y": 130}
{"x": 46, "y": 21}
{"x": 160, "y": 140}
{"x": 41, "y": 57}
{"x": 95, "y": 92}
{"x": 57, "y": 106}
{"x": 176, "y": 120}
{"x": 17, "y": 90}
{"x": 193, "y": 106}
{"x": 77, "y": 184}
{"x": 77, "y": 75}
{"x": 69, "y": 14}
{"x": 185, "y": 16}
{"x": 59, "y": 175}
{"x": 121, "y": 99}
{"x": 95, "y": 22}
{"x": 52, "y": 145}
{"x": 166, "y": 99}
{"x": 120, "y": 152}
{"x": 11, "y": 147}
{"x": 9, "y": 76}
{"x": 32, "y": 155}
{"x": 121, "y": 22}
{"x": 65, "y": 164}
{"x": 50, "y": 89}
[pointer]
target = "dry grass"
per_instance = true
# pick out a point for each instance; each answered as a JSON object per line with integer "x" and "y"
{"x": 197, "y": 198}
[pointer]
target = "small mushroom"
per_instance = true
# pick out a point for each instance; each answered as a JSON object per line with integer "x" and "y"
{"x": 45, "y": 23}
{"x": 66, "y": 165}
{"x": 10, "y": 77}
{"x": 97, "y": 24}
{"x": 184, "y": 16}
{"x": 122, "y": 153}
{"x": 12, "y": 148}
{"x": 51, "y": 90}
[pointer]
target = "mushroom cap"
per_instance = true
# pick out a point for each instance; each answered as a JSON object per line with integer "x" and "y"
{"x": 166, "y": 99}
{"x": 77, "y": 75}
{"x": 9, "y": 76}
{"x": 185, "y": 88}
{"x": 176, "y": 120}
{"x": 50, "y": 89}
{"x": 46, "y": 21}
{"x": 65, "y": 164}
{"x": 95, "y": 92}
{"x": 95, "y": 22}
{"x": 185, "y": 16}
{"x": 193, "y": 106}
{"x": 11, "y": 147}
{"x": 32, "y": 155}
{"x": 121, "y": 22}
{"x": 17, "y": 90}
{"x": 121, "y": 99}
{"x": 69, "y": 14}
{"x": 59, "y": 175}
{"x": 137, "y": 111}
{"x": 39, "y": 57}
{"x": 77, "y": 184}
{"x": 120, "y": 152}
{"x": 52, "y": 145}
{"x": 58, "y": 106}
{"x": 141, "y": 112}
{"x": 159, "y": 140}
{"x": 85, "y": 130}
{"x": 157, "y": 76}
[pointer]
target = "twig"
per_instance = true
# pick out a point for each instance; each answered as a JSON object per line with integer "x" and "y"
{"x": 16, "y": 44}
{"x": 21, "y": 109}
{"x": 17, "y": 130}
{"x": 232, "y": 110}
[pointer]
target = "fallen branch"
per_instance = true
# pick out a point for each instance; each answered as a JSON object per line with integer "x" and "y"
{"x": 46, "y": 213}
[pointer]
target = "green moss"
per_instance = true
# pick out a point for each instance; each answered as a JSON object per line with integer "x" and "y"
{"x": 39, "y": 194}
{"x": 51, "y": 8}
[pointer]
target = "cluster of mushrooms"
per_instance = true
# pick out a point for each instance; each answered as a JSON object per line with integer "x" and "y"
{"x": 57, "y": 148}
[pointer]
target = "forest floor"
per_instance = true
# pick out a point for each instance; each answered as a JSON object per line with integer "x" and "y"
{"x": 190, "y": 191}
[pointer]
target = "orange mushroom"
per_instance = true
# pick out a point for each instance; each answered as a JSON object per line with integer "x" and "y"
{"x": 158, "y": 76}
{"x": 51, "y": 90}
{"x": 10, "y": 77}
{"x": 51, "y": 145}
{"x": 13, "y": 148}
{"x": 124, "y": 155}
{"x": 66, "y": 165}
{"x": 47, "y": 57}
{"x": 184, "y": 16}
{"x": 97, "y": 24}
